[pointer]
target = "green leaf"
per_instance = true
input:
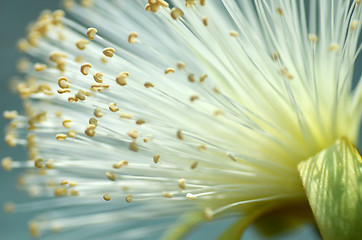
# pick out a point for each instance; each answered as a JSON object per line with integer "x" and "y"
{"x": 333, "y": 183}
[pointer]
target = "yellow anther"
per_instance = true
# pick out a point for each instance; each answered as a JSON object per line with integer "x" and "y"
{"x": 103, "y": 60}
{"x": 140, "y": 121}
{"x": 201, "y": 147}
{"x": 275, "y": 56}
{"x": 194, "y": 165}
{"x": 125, "y": 115}
{"x": 333, "y": 47}
{"x": 13, "y": 124}
{"x": 98, "y": 113}
{"x": 133, "y": 146}
{"x": 39, "y": 67}
{"x": 22, "y": 45}
{"x": 190, "y": 3}
{"x": 148, "y": 7}
{"x": 72, "y": 99}
{"x": 182, "y": 183}
{"x": 23, "y": 65}
{"x": 176, "y": 13}
{"x": 9, "y": 207}
{"x": 33, "y": 230}
{"x": 60, "y": 191}
{"x": 49, "y": 164}
{"x": 218, "y": 112}
{"x": 216, "y": 90}
{"x": 284, "y": 71}
{"x": 179, "y": 135}
{"x": 72, "y": 184}
{"x": 79, "y": 59}
{"x": 107, "y": 197}
{"x": 121, "y": 79}
{"x": 63, "y": 82}
{"x": 129, "y": 198}
{"x": 108, "y": 52}
{"x": 93, "y": 121}
{"x": 312, "y": 37}
{"x": 6, "y": 163}
{"x": 45, "y": 88}
{"x": 156, "y": 158}
{"x": 90, "y": 130}
{"x": 74, "y": 192}
{"x": 57, "y": 56}
{"x": 353, "y": 25}
{"x": 99, "y": 87}
{"x": 61, "y": 66}
{"x": 64, "y": 182}
{"x": 194, "y": 97}
{"x": 149, "y": 85}
{"x": 203, "y": 77}
{"x": 147, "y": 138}
{"x": 167, "y": 194}
{"x": 61, "y": 137}
{"x": 91, "y": 33}
{"x": 280, "y": 11}
{"x": 98, "y": 77}
{"x": 61, "y": 91}
{"x": 86, "y": 3}
{"x": 20, "y": 181}
{"x": 191, "y": 77}
{"x": 10, "y": 114}
{"x": 181, "y": 65}
{"x": 202, "y": 2}
{"x": 234, "y": 33}
{"x": 169, "y": 70}
{"x": 120, "y": 164}
{"x": 133, "y": 133}
{"x": 58, "y": 113}
{"x": 66, "y": 123}
{"x": 39, "y": 163}
{"x": 10, "y": 140}
{"x": 162, "y": 3}
{"x": 68, "y": 4}
{"x": 58, "y": 15}
{"x": 113, "y": 107}
{"x": 208, "y": 214}
{"x": 72, "y": 133}
{"x": 205, "y": 21}
{"x": 358, "y": 2}
{"x": 191, "y": 196}
{"x": 110, "y": 175}
{"x": 81, "y": 44}
{"x": 79, "y": 95}
{"x": 132, "y": 37}
{"x": 84, "y": 69}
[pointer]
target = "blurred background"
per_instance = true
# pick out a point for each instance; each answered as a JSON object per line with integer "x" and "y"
{"x": 15, "y": 15}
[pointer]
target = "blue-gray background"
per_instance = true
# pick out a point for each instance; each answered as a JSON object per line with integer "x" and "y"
{"x": 14, "y": 17}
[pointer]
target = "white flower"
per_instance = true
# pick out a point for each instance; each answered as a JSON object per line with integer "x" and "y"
{"x": 201, "y": 111}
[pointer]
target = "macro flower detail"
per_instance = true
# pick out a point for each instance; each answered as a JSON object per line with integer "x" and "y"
{"x": 150, "y": 118}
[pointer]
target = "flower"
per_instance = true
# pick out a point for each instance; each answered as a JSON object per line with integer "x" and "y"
{"x": 138, "y": 115}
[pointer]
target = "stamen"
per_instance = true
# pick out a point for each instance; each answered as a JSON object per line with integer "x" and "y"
{"x": 106, "y": 197}
{"x": 91, "y": 33}
{"x": 132, "y": 37}
{"x": 61, "y": 137}
{"x": 108, "y": 52}
{"x": 84, "y": 69}
{"x": 182, "y": 183}
{"x": 176, "y": 13}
